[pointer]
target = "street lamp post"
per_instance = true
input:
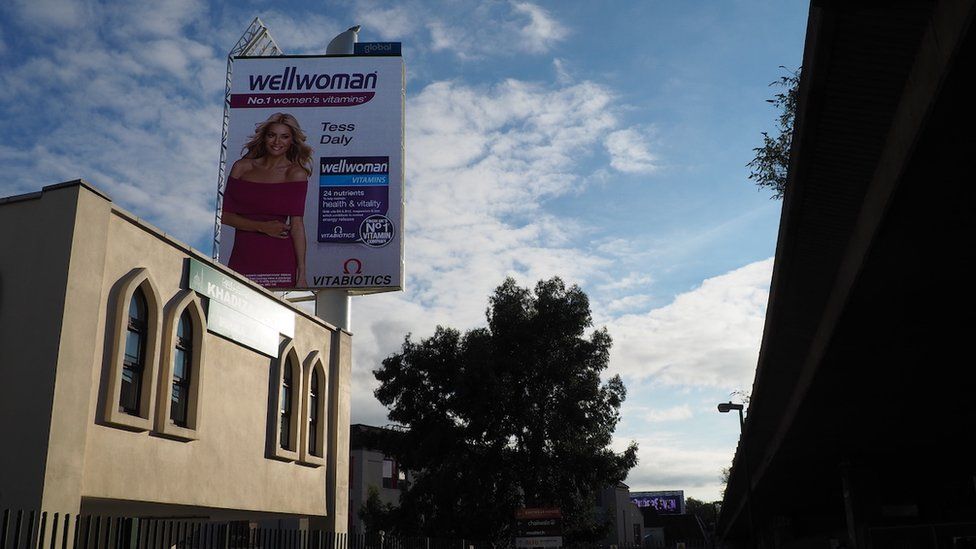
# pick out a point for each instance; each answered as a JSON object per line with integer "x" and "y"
{"x": 726, "y": 407}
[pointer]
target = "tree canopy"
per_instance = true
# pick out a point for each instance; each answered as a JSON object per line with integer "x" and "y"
{"x": 770, "y": 167}
{"x": 706, "y": 512}
{"x": 510, "y": 415}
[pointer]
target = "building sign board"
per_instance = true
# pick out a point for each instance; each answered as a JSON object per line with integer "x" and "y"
{"x": 376, "y": 48}
{"x": 541, "y": 541}
{"x": 240, "y": 313}
{"x": 538, "y": 527}
{"x": 314, "y": 191}
{"x": 241, "y": 328}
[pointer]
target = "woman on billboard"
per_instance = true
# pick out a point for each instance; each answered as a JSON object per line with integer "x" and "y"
{"x": 264, "y": 201}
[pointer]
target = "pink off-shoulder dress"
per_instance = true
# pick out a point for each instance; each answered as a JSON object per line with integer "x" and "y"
{"x": 264, "y": 259}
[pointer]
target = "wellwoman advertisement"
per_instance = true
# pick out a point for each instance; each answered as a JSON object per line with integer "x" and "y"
{"x": 313, "y": 196}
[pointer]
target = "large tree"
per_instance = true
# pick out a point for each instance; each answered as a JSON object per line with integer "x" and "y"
{"x": 511, "y": 415}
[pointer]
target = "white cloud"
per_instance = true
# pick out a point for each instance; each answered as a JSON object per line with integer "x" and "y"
{"x": 542, "y": 31}
{"x": 563, "y": 75}
{"x": 632, "y": 280}
{"x": 625, "y": 304}
{"x": 481, "y": 161}
{"x": 709, "y": 336}
{"x": 477, "y": 30}
{"x": 389, "y": 23}
{"x": 308, "y": 34}
{"x": 668, "y": 462}
{"x": 674, "y": 413}
{"x": 629, "y": 152}
{"x": 140, "y": 21}
{"x": 177, "y": 57}
{"x": 52, "y": 16}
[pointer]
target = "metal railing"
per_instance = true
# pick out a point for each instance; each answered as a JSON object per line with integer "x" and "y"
{"x": 41, "y": 530}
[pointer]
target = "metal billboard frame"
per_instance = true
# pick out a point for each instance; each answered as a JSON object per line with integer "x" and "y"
{"x": 255, "y": 42}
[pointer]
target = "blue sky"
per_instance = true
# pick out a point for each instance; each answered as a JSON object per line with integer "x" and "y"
{"x": 604, "y": 142}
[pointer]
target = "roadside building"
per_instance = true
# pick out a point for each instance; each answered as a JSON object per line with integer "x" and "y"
{"x": 370, "y": 469}
{"x": 140, "y": 378}
{"x": 614, "y": 504}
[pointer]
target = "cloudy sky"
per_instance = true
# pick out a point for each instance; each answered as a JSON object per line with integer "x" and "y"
{"x": 603, "y": 142}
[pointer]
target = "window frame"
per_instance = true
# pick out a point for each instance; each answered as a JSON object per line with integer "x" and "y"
{"x": 314, "y": 365}
{"x": 182, "y": 351}
{"x": 286, "y": 357}
{"x": 390, "y": 482}
{"x": 122, "y": 292}
{"x": 187, "y": 301}
{"x": 139, "y": 327}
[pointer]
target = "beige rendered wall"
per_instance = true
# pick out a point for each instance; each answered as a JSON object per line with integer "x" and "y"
{"x": 227, "y": 467}
{"x": 41, "y": 429}
{"x": 78, "y": 350}
{"x": 57, "y": 271}
{"x": 337, "y": 462}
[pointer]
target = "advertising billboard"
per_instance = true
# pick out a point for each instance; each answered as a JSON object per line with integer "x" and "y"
{"x": 667, "y": 502}
{"x": 313, "y": 197}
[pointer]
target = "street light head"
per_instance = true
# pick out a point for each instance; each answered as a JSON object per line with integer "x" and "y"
{"x": 726, "y": 407}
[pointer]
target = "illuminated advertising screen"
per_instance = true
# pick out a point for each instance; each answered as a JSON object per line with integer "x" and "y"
{"x": 669, "y": 502}
{"x": 313, "y": 193}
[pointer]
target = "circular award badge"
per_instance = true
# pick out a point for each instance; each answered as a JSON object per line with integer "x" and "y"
{"x": 376, "y": 231}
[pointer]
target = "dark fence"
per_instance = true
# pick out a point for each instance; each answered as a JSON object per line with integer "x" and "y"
{"x": 33, "y": 530}
{"x": 961, "y": 535}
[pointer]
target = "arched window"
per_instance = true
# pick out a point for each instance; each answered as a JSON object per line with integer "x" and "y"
{"x": 182, "y": 370}
{"x": 134, "y": 359}
{"x": 313, "y": 413}
{"x": 284, "y": 407}
{"x": 285, "y": 415}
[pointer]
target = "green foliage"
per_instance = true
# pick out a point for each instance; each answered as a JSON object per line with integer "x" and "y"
{"x": 506, "y": 416}
{"x": 771, "y": 164}
{"x": 376, "y": 515}
{"x": 706, "y": 512}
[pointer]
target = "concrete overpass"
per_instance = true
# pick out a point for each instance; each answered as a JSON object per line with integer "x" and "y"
{"x": 861, "y": 431}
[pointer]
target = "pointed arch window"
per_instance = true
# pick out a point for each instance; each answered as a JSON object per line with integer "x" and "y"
{"x": 182, "y": 370}
{"x": 130, "y": 386}
{"x": 285, "y": 414}
{"x": 314, "y": 411}
{"x": 134, "y": 357}
{"x": 284, "y": 407}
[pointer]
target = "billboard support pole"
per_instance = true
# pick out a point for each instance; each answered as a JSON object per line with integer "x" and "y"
{"x": 334, "y": 307}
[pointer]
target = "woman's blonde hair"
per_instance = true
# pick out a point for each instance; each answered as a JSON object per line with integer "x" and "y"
{"x": 298, "y": 152}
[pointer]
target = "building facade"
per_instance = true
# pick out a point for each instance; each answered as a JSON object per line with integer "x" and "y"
{"x": 370, "y": 469}
{"x": 615, "y": 505}
{"x": 139, "y": 378}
